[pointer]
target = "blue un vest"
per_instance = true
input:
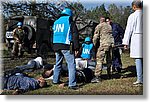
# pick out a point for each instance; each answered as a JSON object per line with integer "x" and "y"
{"x": 87, "y": 51}
{"x": 61, "y": 29}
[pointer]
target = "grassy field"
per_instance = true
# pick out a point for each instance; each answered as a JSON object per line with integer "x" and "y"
{"x": 120, "y": 84}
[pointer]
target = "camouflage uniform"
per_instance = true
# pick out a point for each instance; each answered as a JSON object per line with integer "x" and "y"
{"x": 103, "y": 33}
{"x": 18, "y": 35}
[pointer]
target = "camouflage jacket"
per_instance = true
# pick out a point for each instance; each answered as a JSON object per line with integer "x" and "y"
{"x": 18, "y": 34}
{"x": 103, "y": 33}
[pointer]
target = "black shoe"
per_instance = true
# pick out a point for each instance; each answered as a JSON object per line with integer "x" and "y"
{"x": 73, "y": 87}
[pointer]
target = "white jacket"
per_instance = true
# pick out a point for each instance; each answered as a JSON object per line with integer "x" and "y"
{"x": 134, "y": 34}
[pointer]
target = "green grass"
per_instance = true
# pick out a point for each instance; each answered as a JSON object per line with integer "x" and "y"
{"x": 119, "y": 85}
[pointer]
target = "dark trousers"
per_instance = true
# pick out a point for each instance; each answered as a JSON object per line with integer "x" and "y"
{"x": 116, "y": 58}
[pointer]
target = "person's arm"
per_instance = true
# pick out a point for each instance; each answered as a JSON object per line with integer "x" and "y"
{"x": 93, "y": 52}
{"x": 80, "y": 52}
{"x": 128, "y": 31}
{"x": 96, "y": 34}
{"x": 75, "y": 36}
{"x": 15, "y": 36}
{"x": 29, "y": 83}
{"x": 121, "y": 31}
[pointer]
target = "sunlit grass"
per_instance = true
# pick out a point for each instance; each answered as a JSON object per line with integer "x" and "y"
{"x": 121, "y": 85}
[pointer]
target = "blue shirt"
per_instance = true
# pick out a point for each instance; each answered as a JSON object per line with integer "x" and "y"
{"x": 87, "y": 51}
{"x": 21, "y": 82}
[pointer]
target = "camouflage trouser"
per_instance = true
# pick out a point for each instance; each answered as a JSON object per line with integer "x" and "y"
{"x": 17, "y": 47}
{"x": 102, "y": 53}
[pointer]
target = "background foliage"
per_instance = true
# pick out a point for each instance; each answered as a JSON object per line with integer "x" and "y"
{"x": 51, "y": 10}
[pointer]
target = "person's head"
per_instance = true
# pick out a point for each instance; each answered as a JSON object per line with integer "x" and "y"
{"x": 88, "y": 40}
{"x": 137, "y": 4}
{"x": 19, "y": 24}
{"x": 102, "y": 19}
{"x": 42, "y": 82}
{"x": 108, "y": 20}
{"x": 67, "y": 11}
{"x": 48, "y": 71}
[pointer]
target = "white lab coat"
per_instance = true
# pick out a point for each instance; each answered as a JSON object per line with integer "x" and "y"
{"x": 134, "y": 34}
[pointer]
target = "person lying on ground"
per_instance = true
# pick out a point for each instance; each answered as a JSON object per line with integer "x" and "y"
{"x": 32, "y": 64}
{"x": 82, "y": 76}
{"x": 22, "y": 83}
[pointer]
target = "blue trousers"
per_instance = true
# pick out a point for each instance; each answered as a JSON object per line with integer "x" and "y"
{"x": 139, "y": 69}
{"x": 70, "y": 59}
{"x": 116, "y": 60}
{"x": 29, "y": 67}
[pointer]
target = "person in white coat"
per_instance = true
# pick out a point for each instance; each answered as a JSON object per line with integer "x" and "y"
{"x": 133, "y": 36}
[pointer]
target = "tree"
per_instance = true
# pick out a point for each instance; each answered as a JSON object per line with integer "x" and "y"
{"x": 95, "y": 13}
{"x": 119, "y": 14}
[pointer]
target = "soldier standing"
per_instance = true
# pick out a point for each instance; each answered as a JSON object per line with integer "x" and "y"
{"x": 19, "y": 35}
{"x": 103, "y": 33}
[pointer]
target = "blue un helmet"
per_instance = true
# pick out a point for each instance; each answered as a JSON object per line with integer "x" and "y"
{"x": 67, "y": 11}
{"x": 19, "y": 24}
{"x": 87, "y": 39}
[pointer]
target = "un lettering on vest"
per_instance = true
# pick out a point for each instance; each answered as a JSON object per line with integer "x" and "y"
{"x": 59, "y": 28}
{"x": 86, "y": 51}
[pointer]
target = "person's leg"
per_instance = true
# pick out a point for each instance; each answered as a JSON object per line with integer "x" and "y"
{"x": 31, "y": 65}
{"x": 108, "y": 62}
{"x": 116, "y": 60}
{"x": 98, "y": 70}
{"x": 118, "y": 57}
{"x": 19, "y": 49}
{"x": 58, "y": 66}
{"x": 139, "y": 70}
{"x": 14, "y": 50}
{"x": 100, "y": 60}
{"x": 70, "y": 59}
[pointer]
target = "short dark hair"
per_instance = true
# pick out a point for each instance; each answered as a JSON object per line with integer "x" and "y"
{"x": 137, "y": 3}
{"x": 47, "y": 67}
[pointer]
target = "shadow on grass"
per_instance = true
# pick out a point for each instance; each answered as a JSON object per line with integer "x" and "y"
{"x": 130, "y": 71}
